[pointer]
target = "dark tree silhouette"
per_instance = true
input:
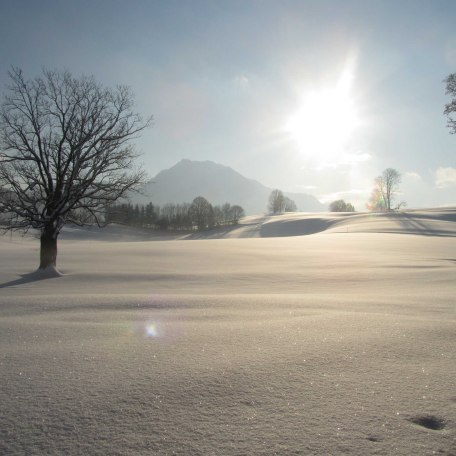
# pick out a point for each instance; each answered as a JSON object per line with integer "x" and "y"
{"x": 289, "y": 205}
{"x": 202, "y": 213}
{"x": 341, "y": 206}
{"x": 173, "y": 216}
{"x": 64, "y": 152}
{"x": 236, "y": 213}
{"x": 226, "y": 213}
{"x": 279, "y": 203}
{"x": 450, "y": 108}
{"x": 276, "y": 203}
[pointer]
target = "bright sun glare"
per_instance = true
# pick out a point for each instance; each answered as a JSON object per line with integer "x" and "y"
{"x": 325, "y": 122}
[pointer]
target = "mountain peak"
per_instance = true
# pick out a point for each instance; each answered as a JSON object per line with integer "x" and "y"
{"x": 198, "y": 163}
{"x": 218, "y": 183}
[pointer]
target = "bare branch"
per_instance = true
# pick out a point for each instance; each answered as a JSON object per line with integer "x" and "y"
{"x": 65, "y": 149}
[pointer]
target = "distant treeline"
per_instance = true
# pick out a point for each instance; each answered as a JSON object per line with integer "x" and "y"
{"x": 199, "y": 215}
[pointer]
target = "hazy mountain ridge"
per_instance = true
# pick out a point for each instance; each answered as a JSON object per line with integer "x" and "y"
{"x": 218, "y": 184}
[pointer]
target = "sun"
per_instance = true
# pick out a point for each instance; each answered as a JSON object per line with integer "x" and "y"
{"x": 324, "y": 123}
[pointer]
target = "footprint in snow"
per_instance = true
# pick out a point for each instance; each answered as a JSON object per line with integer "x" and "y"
{"x": 428, "y": 421}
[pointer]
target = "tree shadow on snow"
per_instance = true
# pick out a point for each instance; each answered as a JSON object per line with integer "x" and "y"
{"x": 31, "y": 277}
{"x": 423, "y": 225}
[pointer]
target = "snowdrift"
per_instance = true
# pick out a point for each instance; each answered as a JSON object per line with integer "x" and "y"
{"x": 431, "y": 222}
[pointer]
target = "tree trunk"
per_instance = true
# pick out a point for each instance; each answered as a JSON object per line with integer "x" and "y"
{"x": 48, "y": 251}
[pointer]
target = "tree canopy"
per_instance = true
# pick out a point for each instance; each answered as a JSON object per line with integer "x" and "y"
{"x": 183, "y": 216}
{"x": 279, "y": 203}
{"x": 65, "y": 152}
{"x": 341, "y": 206}
{"x": 450, "y": 108}
{"x": 385, "y": 191}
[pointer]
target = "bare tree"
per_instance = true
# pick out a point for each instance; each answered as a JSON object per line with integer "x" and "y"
{"x": 376, "y": 202}
{"x": 279, "y": 203}
{"x": 226, "y": 213}
{"x": 202, "y": 213}
{"x": 276, "y": 202}
{"x": 385, "y": 190}
{"x": 64, "y": 152}
{"x": 341, "y": 206}
{"x": 289, "y": 205}
{"x": 450, "y": 108}
{"x": 236, "y": 213}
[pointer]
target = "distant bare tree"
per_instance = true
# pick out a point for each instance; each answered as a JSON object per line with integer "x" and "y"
{"x": 276, "y": 202}
{"x": 64, "y": 152}
{"x": 279, "y": 203}
{"x": 202, "y": 213}
{"x": 341, "y": 206}
{"x": 385, "y": 190}
{"x": 236, "y": 213}
{"x": 226, "y": 213}
{"x": 289, "y": 205}
{"x": 450, "y": 108}
{"x": 376, "y": 202}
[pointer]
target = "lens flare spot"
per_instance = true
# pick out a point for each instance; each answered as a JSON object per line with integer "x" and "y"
{"x": 151, "y": 330}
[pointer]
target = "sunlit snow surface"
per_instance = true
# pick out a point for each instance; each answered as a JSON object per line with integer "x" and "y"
{"x": 260, "y": 341}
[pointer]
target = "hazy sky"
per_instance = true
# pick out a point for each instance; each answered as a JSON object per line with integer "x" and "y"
{"x": 307, "y": 96}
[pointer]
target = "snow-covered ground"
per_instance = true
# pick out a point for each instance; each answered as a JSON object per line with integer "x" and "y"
{"x": 299, "y": 334}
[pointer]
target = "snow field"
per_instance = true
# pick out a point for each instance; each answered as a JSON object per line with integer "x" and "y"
{"x": 333, "y": 343}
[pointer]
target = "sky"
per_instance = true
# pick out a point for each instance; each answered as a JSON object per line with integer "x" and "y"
{"x": 314, "y": 97}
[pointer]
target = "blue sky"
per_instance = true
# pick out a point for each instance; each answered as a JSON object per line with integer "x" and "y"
{"x": 223, "y": 79}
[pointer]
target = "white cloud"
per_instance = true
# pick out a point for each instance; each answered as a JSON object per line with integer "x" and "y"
{"x": 413, "y": 175}
{"x": 445, "y": 177}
